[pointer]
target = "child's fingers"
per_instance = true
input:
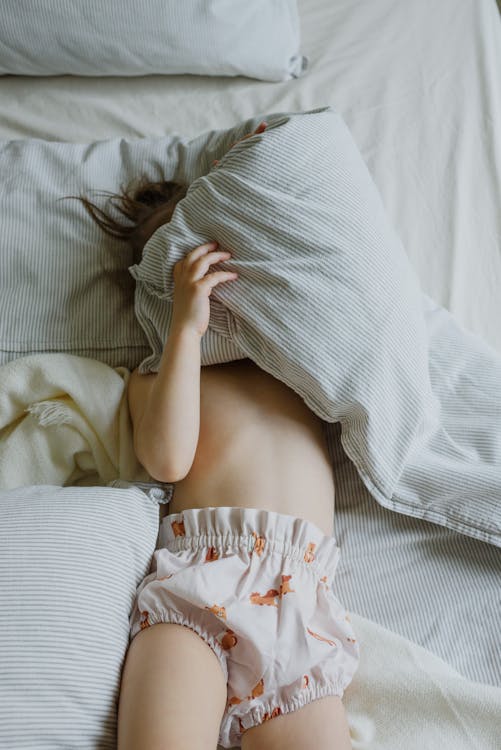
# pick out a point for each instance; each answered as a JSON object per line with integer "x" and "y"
{"x": 209, "y": 282}
{"x": 201, "y": 266}
{"x": 199, "y": 251}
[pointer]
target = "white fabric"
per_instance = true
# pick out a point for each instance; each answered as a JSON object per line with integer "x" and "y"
{"x": 64, "y": 420}
{"x": 416, "y": 578}
{"x": 415, "y": 81}
{"x": 403, "y": 696}
{"x": 64, "y": 285}
{"x": 418, "y": 85}
{"x": 134, "y": 38}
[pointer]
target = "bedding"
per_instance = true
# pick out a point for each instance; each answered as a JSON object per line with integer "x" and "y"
{"x": 429, "y": 584}
{"x": 432, "y": 461}
{"x": 298, "y": 210}
{"x": 57, "y": 427}
{"x": 204, "y": 37}
{"x": 64, "y": 284}
{"x": 404, "y": 697}
{"x": 426, "y": 118}
{"x": 427, "y": 128}
{"x": 79, "y": 554}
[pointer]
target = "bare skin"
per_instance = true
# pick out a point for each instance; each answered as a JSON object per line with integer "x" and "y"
{"x": 238, "y": 437}
{"x": 259, "y": 447}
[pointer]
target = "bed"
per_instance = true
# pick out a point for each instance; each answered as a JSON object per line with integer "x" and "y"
{"x": 417, "y": 85}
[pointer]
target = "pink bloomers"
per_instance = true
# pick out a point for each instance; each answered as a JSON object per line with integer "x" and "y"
{"x": 257, "y": 587}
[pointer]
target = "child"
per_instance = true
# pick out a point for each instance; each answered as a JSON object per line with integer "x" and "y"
{"x": 237, "y": 623}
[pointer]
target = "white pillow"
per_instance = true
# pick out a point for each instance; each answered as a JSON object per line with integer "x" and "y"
{"x": 71, "y": 559}
{"x": 259, "y": 39}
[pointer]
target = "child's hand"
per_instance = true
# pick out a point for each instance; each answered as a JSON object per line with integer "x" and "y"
{"x": 192, "y": 287}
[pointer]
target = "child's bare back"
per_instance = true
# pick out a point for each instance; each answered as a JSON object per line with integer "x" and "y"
{"x": 259, "y": 446}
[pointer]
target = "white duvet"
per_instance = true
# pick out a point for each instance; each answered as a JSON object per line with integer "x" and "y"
{"x": 58, "y": 427}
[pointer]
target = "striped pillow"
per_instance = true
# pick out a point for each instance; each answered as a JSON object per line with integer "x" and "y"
{"x": 71, "y": 559}
{"x": 64, "y": 285}
{"x": 326, "y": 300}
{"x": 259, "y": 39}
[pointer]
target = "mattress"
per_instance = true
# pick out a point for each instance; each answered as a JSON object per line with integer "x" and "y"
{"x": 417, "y": 85}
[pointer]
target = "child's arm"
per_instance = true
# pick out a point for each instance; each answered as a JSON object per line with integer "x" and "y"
{"x": 165, "y": 407}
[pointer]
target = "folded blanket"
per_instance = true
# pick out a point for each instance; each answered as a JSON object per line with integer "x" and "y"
{"x": 64, "y": 420}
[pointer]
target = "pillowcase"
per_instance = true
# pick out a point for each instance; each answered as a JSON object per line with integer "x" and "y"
{"x": 71, "y": 559}
{"x": 259, "y": 39}
{"x": 64, "y": 284}
{"x": 325, "y": 300}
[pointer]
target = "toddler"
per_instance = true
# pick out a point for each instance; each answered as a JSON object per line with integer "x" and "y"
{"x": 236, "y": 635}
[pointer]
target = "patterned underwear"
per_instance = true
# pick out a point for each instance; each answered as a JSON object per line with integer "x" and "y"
{"x": 257, "y": 586}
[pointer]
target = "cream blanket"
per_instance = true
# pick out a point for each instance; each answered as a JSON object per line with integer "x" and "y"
{"x": 403, "y": 697}
{"x": 64, "y": 420}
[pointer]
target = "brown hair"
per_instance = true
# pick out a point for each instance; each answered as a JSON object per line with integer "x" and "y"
{"x": 143, "y": 204}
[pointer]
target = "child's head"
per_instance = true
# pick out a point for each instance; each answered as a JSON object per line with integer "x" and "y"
{"x": 145, "y": 206}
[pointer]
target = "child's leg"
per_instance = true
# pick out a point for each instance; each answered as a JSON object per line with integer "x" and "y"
{"x": 173, "y": 692}
{"x": 321, "y": 725}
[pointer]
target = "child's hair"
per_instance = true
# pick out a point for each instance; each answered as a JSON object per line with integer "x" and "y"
{"x": 143, "y": 204}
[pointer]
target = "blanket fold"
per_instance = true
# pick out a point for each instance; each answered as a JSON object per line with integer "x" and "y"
{"x": 65, "y": 420}
{"x": 453, "y": 477}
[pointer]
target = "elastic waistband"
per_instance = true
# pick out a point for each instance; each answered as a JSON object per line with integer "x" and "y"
{"x": 250, "y": 529}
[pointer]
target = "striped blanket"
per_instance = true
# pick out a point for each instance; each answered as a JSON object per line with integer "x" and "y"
{"x": 327, "y": 302}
